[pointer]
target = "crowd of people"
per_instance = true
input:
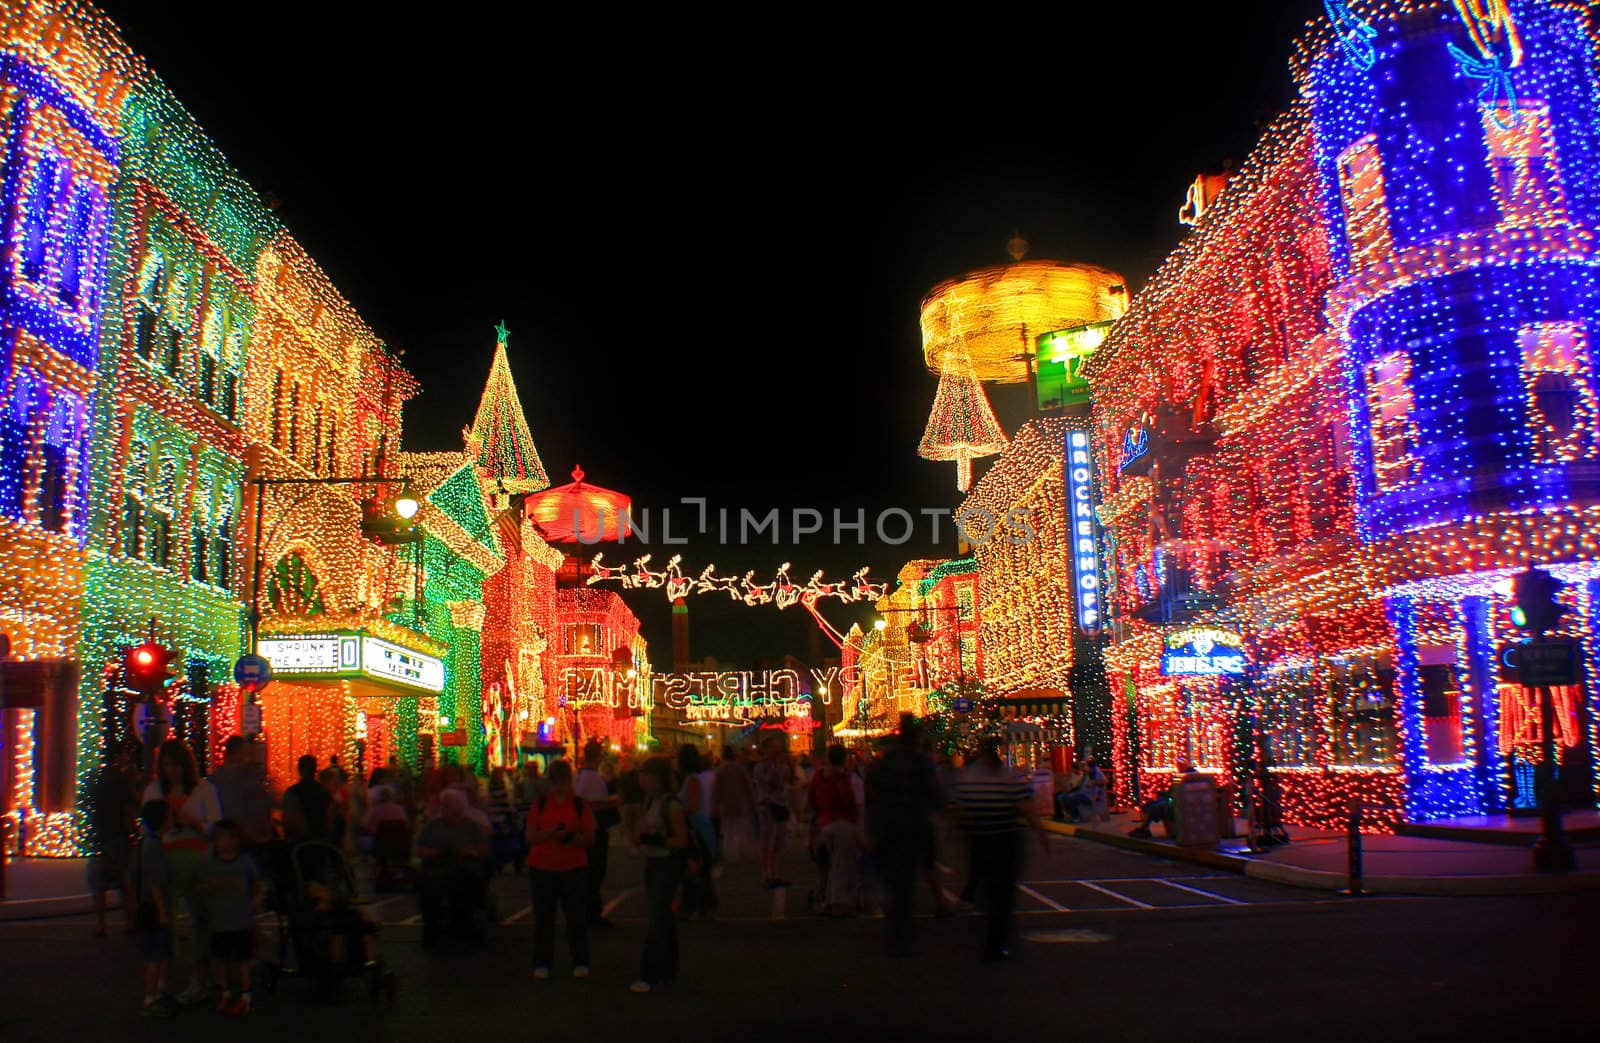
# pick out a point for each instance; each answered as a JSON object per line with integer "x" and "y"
{"x": 876, "y": 823}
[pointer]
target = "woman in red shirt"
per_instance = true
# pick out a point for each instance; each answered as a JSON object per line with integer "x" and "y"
{"x": 560, "y": 830}
{"x": 834, "y": 832}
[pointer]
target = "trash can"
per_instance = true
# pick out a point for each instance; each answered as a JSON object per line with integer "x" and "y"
{"x": 1197, "y": 812}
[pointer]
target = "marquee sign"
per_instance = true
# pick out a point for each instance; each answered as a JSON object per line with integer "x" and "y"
{"x": 1079, "y": 466}
{"x": 351, "y": 656}
{"x": 1203, "y": 652}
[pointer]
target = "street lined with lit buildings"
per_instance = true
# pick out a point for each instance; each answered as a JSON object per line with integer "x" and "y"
{"x": 1250, "y": 549}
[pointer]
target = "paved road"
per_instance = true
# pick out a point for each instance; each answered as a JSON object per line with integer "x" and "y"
{"x": 1110, "y": 943}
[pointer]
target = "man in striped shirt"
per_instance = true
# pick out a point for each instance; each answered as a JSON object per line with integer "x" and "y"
{"x": 994, "y": 803}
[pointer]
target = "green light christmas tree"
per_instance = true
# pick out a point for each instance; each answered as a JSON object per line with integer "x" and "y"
{"x": 499, "y": 438}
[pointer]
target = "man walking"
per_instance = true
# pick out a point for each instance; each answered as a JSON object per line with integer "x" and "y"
{"x": 591, "y": 787}
{"x": 994, "y": 803}
{"x": 902, "y": 798}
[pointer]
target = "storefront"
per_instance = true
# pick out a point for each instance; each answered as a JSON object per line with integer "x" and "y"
{"x": 364, "y": 694}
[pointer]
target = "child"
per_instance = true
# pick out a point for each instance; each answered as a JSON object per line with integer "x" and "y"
{"x": 153, "y": 884}
{"x": 228, "y": 884}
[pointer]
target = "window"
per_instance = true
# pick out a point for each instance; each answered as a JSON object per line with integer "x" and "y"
{"x": 36, "y": 227}
{"x": 294, "y": 421}
{"x": 583, "y": 639}
{"x": 75, "y": 252}
{"x": 52, "y": 498}
{"x": 230, "y": 395}
{"x": 1289, "y": 717}
{"x": 132, "y": 518}
{"x": 333, "y": 441}
{"x": 1361, "y": 719}
{"x": 172, "y": 343}
{"x": 208, "y": 379}
{"x": 1394, "y": 434}
{"x": 222, "y": 549}
{"x": 277, "y": 409}
{"x": 199, "y": 548}
{"x": 316, "y": 436}
{"x": 1522, "y": 161}
{"x": 966, "y": 602}
{"x": 1556, "y": 377}
{"x": 1366, "y": 209}
{"x": 1441, "y": 713}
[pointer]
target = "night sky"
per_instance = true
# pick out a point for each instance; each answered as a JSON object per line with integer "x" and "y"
{"x": 710, "y": 255}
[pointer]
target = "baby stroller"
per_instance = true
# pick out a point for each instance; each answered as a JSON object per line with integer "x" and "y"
{"x": 391, "y": 856}
{"x": 316, "y": 913}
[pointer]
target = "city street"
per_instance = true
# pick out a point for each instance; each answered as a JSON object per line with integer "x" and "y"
{"x": 1113, "y": 944}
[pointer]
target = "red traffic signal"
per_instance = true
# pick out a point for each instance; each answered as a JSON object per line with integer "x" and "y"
{"x": 148, "y": 667}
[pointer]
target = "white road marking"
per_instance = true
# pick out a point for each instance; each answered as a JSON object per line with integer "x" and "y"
{"x": 1030, "y": 892}
{"x": 1091, "y": 885}
{"x": 1198, "y": 891}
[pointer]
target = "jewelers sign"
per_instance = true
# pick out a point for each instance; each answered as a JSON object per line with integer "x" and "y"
{"x": 1202, "y": 652}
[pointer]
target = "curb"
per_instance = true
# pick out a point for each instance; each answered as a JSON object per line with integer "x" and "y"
{"x": 1323, "y": 880}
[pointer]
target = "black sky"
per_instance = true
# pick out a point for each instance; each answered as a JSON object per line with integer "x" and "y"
{"x": 709, "y": 239}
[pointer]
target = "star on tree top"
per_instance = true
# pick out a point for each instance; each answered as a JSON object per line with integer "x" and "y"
{"x": 501, "y": 334}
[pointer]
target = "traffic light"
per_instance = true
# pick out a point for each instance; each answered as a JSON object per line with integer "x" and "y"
{"x": 148, "y": 667}
{"x": 1536, "y": 595}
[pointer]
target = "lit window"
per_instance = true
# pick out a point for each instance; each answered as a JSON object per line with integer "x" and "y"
{"x": 1394, "y": 433}
{"x": 1556, "y": 377}
{"x": 1366, "y": 210}
{"x": 1441, "y": 714}
{"x": 1522, "y": 159}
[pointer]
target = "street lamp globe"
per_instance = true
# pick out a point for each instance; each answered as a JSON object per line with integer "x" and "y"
{"x": 406, "y": 506}
{"x": 880, "y": 624}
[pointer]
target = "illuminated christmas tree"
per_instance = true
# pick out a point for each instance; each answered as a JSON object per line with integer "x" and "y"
{"x": 962, "y": 425}
{"x": 499, "y": 437}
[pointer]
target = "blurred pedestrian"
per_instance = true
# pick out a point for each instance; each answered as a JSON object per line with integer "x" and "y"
{"x": 995, "y": 802}
{"x": 155, "y": 912}
{"x": 113, "y": 820}
{"x": 560, "y": 830}
{"x": 733, "y": 810}
{"x": 699, "y": 891}
{"x": 591, "y": 786}
{"x": 663, "y": 839}
{"x": 772, "y": 777}
{"x": 902, "y": 798}
{"x": 194, "y": 810}
{"x": 835, "y": 828}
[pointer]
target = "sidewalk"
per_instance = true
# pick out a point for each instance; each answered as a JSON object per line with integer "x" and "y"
{"x": 37, "y": 887}
{"x": 1391, "y": 864}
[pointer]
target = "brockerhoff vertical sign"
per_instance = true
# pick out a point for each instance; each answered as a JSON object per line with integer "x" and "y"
{"x": 1079, "y": 466}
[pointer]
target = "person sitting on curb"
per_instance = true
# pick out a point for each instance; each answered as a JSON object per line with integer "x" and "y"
{"x": 1163, "y": 808}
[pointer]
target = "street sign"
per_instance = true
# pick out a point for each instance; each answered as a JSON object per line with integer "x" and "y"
{"x": 250, "y": 719}
{"x": 1549, "y": 661}
{"x": 252, "y": 672}
{"x": 962, "y": 705}
{"x": 151, "y": 722}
